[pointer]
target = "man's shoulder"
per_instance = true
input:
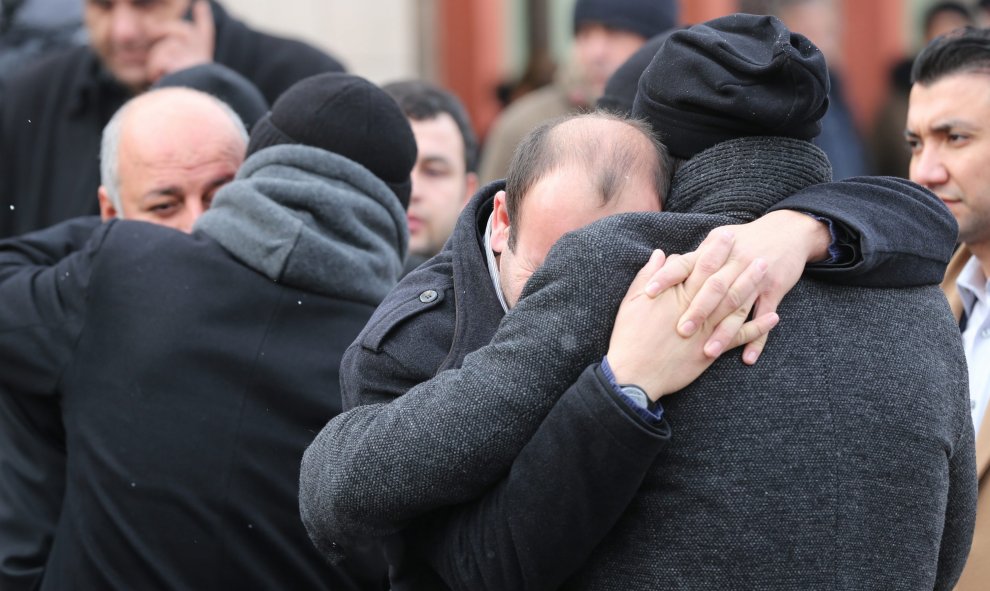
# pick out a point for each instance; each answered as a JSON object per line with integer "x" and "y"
{"x": 407, "y": 339}
{"x": 134, "y": 247}
{"x": 34, "y": 85}
{"x": 272, "y": 63}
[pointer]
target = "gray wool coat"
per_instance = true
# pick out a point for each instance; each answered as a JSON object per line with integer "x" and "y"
{"x": 843, "y": 460}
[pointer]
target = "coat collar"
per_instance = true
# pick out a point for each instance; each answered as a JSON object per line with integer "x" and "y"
{"x": 477, "y": 316}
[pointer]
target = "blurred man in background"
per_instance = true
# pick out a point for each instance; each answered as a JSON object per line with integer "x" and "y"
{"x": 446, "y": 171}
{"x": 818, "y": 20}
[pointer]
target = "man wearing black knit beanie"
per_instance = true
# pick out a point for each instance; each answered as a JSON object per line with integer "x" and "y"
{"x": 791, "y": 474}
{"x": 192, "y": 370}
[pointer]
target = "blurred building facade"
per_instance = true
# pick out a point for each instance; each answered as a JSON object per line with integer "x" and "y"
{"x": 473, "y": 46}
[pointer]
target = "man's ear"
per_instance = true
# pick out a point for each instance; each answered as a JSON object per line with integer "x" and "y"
{"x": 107, "y": 210}
{"x": 500, "y": 224}
{"x": 470, "y": 187}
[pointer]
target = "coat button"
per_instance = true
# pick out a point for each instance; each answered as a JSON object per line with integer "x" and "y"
{"x": 428, "y": 296}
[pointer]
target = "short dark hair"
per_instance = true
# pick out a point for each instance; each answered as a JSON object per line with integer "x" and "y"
{"x": 965, "y": 50}
{"x": 939, "y": 7}
{"x": 421, "y": 101}
{"x": 608, "y": 161}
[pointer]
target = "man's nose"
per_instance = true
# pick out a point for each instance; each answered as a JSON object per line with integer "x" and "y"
{"x": 125, "y": 23}
{"x": 190, "y": 213}
{"x": 927, "y": 168}
{"x": 416, "y": 178}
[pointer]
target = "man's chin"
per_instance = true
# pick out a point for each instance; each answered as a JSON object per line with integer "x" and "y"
{"x": 133, "y": 76}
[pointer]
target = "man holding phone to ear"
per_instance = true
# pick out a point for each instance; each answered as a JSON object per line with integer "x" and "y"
{"x": 52, "y": 113}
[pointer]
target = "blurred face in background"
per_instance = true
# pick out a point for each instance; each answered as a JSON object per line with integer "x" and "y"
{"x": 943, "y": 22}
{"x": 818, "y": 20}
{"x": 441, "y": 184}
{"x": 600, "y": 50}
{"x": 948, "y": 131}
{"x": 122, "y": 32}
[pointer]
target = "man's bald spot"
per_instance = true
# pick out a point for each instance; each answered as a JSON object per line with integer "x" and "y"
{"x": 609, "y": 148}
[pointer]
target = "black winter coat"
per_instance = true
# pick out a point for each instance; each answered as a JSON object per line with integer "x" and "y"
{"x": 191, "y": 372}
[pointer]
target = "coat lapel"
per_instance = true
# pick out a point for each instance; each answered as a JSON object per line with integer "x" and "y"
{"x": 959, "y": 260}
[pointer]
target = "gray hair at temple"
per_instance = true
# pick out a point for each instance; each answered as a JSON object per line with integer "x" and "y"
{"x": 110, "y": 141}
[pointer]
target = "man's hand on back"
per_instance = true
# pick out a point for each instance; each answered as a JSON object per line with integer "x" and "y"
{"x": 714, "y": 277}
{"x": 645, "y": 348}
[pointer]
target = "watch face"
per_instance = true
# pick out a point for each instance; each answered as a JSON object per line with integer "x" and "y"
{"x": 637, "y": 395}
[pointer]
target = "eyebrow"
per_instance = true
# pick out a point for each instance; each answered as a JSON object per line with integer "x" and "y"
{"x": 170, "y": 191}
{"x": 219, "y": 182}
{"x": 946, "y": 126}
{"x": 436, "y": 158}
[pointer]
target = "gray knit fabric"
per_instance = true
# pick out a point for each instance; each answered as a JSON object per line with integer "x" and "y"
{"x": 445, "y": 411}
{"x": 843, "y": 460}
{"x": 747, "y": 175}
{"x": 308, "y": 218}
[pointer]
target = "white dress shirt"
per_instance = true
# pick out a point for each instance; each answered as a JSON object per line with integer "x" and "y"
{"x": 973, "y": 288}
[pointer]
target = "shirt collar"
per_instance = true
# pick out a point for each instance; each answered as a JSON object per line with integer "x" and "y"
{"x": 493, "y": 264}
{"x": 972, "y": 284}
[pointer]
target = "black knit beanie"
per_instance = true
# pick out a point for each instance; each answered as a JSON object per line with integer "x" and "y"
{"x": 644, "y": 17}
{"x": 735, "y": 76}
{"x": 223, "y": 83}
{"x": 346, "y": 115}
{"x": 620, "y": 90}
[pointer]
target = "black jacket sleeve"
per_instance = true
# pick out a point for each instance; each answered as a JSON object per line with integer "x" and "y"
{"x": 43, "y": 305}
{"x": 447, "y": 441}
{"x": 48, "y": 246}
{"x": 565, "y": 491}
{"x": 900, "y": 231}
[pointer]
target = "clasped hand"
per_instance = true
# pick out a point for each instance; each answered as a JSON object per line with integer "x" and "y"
{"x": 681, "y": 312}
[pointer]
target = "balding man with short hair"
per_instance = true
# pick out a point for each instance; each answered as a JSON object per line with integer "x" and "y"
{"x": 165, "y": 153}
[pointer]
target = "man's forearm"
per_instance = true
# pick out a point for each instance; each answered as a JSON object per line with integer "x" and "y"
{"x": 43, "y": 304}
{"x": 46, "y": 247}
{"x": 901, "y": 234}
{"x": 564, "y": 493}
{"x": 449, "y": 440}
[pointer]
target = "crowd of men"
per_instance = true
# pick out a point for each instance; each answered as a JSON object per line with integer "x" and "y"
{"x": 262, "y": 327}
